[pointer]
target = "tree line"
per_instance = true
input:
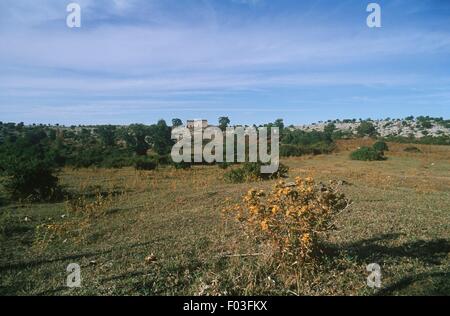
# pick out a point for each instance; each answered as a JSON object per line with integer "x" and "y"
{"x": 30, "y": 155}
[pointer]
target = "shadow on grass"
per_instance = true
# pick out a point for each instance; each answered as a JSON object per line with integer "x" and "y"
{"x": 34, "y": 263}
{"x": 432, "y": 283}
{"x": 376, "y": 250}
{"x": 379, "y": 250}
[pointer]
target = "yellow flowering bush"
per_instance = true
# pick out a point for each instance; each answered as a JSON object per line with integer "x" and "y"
{"x": 292, "y": 217}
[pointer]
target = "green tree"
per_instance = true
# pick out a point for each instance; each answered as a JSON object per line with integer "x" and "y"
{"x": 279, "y": 123}
{"x": 30, "y": 178}
{"x": 136, "y": 138}
{"x": 28, "y": 166}
{"x": 366, "y": 128}
{"x": 381, "y": 146}
{"x": 224, "y": 121}
{"x": 107, "y": 134}
{"x": 176, "y": 122}
{"x": 329, "y": 130}
{"x": 160, "y": 138}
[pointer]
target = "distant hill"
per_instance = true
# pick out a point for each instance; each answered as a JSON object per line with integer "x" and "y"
{"x": 409, "y": 127}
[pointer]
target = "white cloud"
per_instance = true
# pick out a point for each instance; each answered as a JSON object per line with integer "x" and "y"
{"x": 194, "y": 51}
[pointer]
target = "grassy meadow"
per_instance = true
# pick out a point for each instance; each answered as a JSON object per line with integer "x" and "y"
{"x": 162, "y": 232}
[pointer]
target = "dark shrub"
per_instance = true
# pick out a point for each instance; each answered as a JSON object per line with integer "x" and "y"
{"x": 88, "y": 157}
{"x": 366, "y": 128}
{"x": 287, "y": 150}
{"x": 252, "y": 172}
{"x": 318, "y": 148}
{"x": 412, "y": 149}
{"x": 282, "y": 172}
{"x": 322, "y": 148}
{"x": 426, "y": 124}
{"x": 367, "y": 154}
{"x": 32, "y": 180}
{"x": 235, "y": 176}
{"x": 380, "y": 146}
{"x": 145, "y": 164}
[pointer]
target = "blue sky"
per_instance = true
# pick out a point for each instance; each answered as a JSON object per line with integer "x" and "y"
{"x": 251, "y": 60}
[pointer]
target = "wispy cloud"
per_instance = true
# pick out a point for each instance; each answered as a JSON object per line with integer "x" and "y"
{"x": 242, "y": 48}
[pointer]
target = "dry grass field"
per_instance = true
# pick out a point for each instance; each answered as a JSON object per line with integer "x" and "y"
{"x": 162, "y": 232}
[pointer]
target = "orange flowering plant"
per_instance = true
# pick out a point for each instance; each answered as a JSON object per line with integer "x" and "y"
{"x": 292, "y": 217}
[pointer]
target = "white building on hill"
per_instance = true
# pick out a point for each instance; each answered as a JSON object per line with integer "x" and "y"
{"x": 191, "y": 124}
